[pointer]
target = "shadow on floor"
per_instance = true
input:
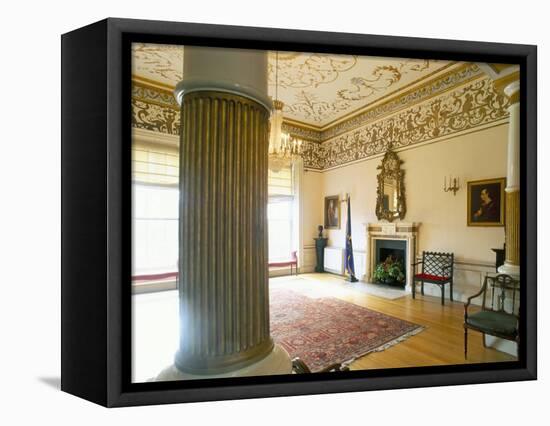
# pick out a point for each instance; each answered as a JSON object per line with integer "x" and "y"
{"x": 54, "y": 382}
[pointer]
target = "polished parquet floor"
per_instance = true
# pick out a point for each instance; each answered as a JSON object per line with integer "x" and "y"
{"x": 441, "y": 343}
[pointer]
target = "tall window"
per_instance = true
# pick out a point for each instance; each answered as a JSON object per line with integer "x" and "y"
{"x": 155, "y": 198}
{"x": 280, "y": 213}
{"x": 155, "y": 229}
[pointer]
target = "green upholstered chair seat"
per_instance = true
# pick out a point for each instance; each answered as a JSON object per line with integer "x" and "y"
{"x": 500, "y": 290}
{"x": 493, "y": 321}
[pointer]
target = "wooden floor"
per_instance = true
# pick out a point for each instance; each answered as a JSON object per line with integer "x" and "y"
{"x": 441, "y": 343}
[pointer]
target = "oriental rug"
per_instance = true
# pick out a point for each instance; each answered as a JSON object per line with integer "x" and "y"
{"x": 323, "y": 331}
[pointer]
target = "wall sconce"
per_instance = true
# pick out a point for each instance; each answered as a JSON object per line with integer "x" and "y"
{"x": 454, "y": 184}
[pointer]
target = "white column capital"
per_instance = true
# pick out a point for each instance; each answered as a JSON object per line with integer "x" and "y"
{"x": 239, "y": 71}
{"x": 511, "y": 88}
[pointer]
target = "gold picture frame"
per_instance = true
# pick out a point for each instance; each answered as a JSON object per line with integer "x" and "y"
{"x": 332, "y": 212}
{"x": 486, "y": 202}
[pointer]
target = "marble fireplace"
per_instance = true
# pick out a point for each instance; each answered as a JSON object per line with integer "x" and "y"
{"x": 398, "y": 237}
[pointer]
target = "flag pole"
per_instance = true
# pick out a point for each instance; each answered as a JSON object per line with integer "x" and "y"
{"x": 350, "y": 264}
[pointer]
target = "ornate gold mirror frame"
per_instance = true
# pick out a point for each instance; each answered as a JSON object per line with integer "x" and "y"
{"x": 390, "y": 201}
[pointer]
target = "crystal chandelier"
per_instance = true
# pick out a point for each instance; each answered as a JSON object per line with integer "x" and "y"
{"x": 282, "y": 146}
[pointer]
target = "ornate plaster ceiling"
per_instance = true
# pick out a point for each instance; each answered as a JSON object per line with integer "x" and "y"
{"x": 162, "y": 63}
{"x": 317, "y": 89}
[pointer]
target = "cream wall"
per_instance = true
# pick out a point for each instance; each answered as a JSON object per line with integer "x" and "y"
{"x": 473, "y": 156}
{"x": 312, "y": 216}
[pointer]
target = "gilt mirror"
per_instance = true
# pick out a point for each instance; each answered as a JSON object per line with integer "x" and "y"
{"x": 390, "y": 202}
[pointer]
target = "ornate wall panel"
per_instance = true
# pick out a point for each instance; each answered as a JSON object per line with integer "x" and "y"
{"x": 465, "y": 108}
{"x": 155, "y": 117}
{"x": 154, "y": 109}
{"x": 311, "y": 155}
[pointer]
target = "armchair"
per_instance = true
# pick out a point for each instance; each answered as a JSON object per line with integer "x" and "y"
{"x": 495, "y": 321}
{"x": 437, "y": 268}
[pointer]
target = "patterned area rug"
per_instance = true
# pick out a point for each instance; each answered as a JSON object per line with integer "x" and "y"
{"x": 323, "y": 331}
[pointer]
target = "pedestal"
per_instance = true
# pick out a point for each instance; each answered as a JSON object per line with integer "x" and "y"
{"x": 320, "y": 244}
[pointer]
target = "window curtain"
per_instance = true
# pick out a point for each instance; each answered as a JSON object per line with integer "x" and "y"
{"x": 280, "y": 183}
{"x": 283, "y": 219}
{"x": 155, "y": 164}
{"x": 155, "y": 194}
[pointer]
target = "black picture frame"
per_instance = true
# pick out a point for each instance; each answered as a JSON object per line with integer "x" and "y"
{"x": 95, "y": 208}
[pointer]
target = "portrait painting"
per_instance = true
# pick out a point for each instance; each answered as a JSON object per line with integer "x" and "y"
{"x": 332, "y": 212}
{"x": 486, "y": 202}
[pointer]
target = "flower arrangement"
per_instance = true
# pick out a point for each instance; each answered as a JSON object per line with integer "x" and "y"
{"x": 390, "y": 271}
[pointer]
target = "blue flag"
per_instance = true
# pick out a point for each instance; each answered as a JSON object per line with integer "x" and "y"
{"x": 350, "y": 266}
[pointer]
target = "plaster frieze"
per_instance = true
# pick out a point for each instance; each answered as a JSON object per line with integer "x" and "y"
{"x": 467, "y": 107}
{"x": 455, "y": 102}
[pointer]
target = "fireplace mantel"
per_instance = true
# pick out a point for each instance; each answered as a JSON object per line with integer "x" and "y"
{"x": 407, "y": 231}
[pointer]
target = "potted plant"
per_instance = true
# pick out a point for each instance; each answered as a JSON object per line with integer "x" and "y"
{"x": 390, "y": 271}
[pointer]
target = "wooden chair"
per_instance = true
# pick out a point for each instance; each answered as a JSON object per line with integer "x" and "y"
{"x": 293, "y": 261}
{"x": 437, "y": 268}
{"x": 300, "y": 367}
{"x": 499, "y": 321}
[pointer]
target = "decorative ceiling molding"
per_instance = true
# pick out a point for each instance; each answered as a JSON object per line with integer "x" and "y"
{"x": 505, "y": 79}
{"x": 498, "y": 71}
{"x": 458, "y": 100}
{"x": 451, "y": 79}
{"x": 146, "y": 93}
{"x": 302, "y": 132}
{"x": 467, "y": 107}
{"x": 152, "y": 83}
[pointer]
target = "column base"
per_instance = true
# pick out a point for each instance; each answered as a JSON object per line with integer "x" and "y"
{"x": 277, "y": 362}
{"x": 509, "y": 269}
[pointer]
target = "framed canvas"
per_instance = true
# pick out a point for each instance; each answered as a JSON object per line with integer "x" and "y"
{"x": 486, "y": 202}
{"x": 332, "y": 212}
{"x": 169, "y": 218}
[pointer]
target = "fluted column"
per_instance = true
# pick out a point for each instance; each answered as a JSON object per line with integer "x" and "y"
{"x": 512, "y": 227}
{"x": 223, "y": 274}
{"x": 223, "y": 232}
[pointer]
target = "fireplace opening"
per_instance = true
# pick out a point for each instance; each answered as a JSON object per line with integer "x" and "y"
{"x": 391, "y": 262}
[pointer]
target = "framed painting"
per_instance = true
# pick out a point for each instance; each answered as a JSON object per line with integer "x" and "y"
{"x": 332, "y": 212}
{"x": 172, "y": 209}
{"x": 486, "y": 202}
